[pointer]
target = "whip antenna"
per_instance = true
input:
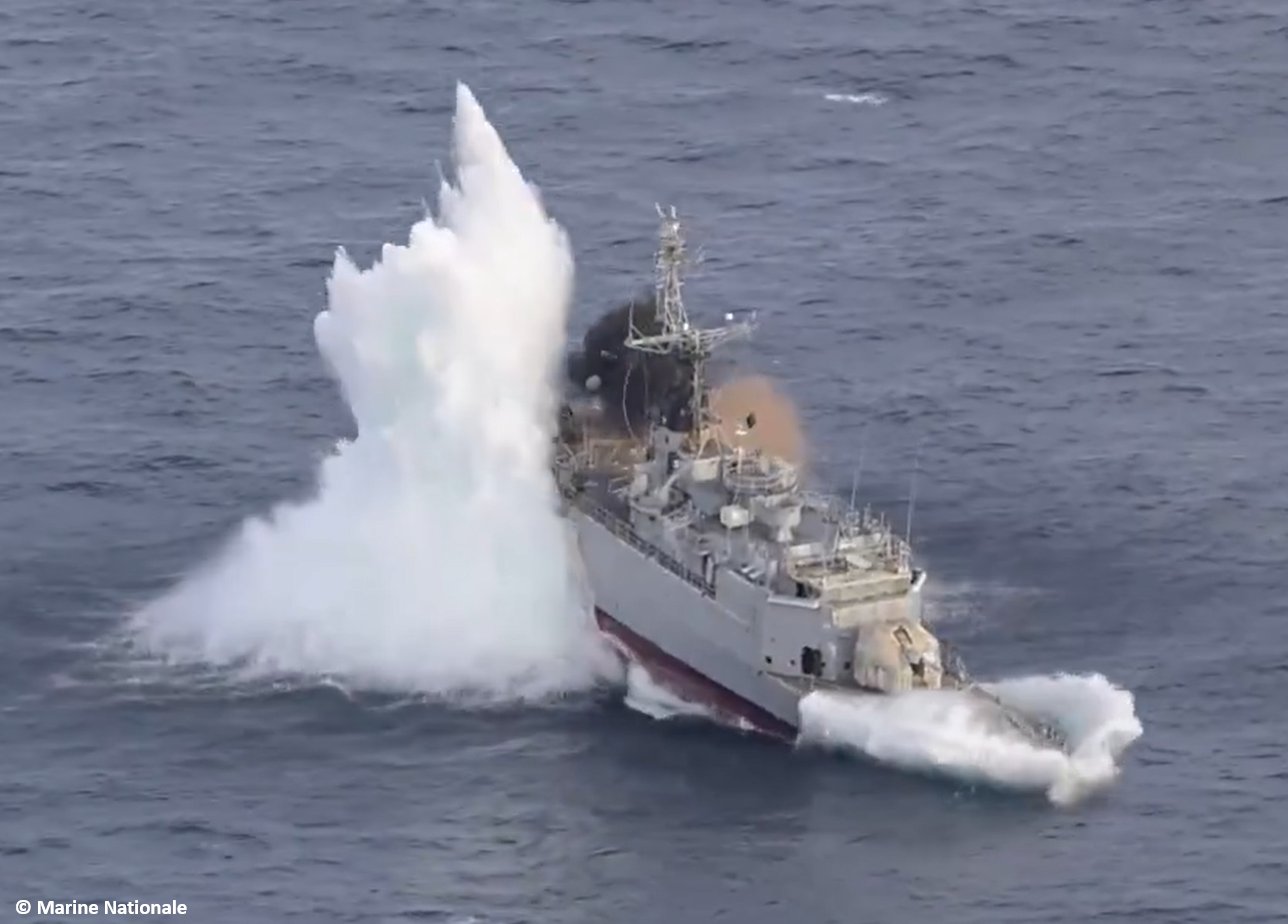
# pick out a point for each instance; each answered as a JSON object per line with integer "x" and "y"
{"x": 912, "y": 491}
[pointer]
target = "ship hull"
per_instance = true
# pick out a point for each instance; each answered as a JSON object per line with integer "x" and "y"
{"x": 691, "y": 639}
{"x": 691, "y": 685}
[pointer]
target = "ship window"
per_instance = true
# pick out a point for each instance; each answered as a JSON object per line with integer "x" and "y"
{"x": 811, "y": 662}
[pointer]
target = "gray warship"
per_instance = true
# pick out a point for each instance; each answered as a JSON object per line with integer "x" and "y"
{"x": 709, "y": 562}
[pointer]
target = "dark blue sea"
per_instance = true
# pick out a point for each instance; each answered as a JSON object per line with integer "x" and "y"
{"x": 1031, "y": 252}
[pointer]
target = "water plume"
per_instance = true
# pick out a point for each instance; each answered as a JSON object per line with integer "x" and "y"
{"x": 431, "y": 558}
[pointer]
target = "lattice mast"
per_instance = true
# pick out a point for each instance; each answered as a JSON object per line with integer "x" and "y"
{"x": 677, "y": 336}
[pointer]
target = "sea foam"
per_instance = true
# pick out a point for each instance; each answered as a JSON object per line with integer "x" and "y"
{"x": 947, "y": 733}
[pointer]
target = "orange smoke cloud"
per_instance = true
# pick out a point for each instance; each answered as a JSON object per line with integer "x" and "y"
{"x": 777, "y": 430}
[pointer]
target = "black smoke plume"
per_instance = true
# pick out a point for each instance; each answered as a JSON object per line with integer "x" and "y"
{"x": 635, "y": 388}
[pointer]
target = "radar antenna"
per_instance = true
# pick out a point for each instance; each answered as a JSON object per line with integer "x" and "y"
{"x": 677, "y": 336}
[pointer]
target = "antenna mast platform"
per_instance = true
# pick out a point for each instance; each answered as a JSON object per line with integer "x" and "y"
{"x": 677, "y": 335}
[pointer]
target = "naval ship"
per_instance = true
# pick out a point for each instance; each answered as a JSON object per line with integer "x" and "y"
{"x": 709, "y": 562}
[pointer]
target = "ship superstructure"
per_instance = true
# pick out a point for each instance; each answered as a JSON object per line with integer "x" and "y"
{"x": 709, "y": 561}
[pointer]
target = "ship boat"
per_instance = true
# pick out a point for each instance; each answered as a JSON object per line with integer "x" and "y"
{"x": 709, "y": 562}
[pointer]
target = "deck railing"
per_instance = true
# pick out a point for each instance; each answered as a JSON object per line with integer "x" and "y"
{"x": 624, "y": 531}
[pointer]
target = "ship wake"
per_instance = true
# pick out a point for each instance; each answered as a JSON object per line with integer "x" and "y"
{"x": 431, "y": 558}
{"x": 953, "y": 734}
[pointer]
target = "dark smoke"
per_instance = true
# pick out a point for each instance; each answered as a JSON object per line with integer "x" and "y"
{"x": 635, "y": 388}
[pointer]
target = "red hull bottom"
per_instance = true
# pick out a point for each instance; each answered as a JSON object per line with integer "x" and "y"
{"x": 693, "y": 686}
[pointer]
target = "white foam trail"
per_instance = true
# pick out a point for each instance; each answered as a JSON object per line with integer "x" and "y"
{"x": 858, "y": 99}
{"x": 645, "y": 695}
{"x": 431, "y": 558}
{"x": 946, "y": 732}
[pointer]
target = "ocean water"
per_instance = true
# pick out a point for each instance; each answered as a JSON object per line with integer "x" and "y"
{"x": 280, "y": 610}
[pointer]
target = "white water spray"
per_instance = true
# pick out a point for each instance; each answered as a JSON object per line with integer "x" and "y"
{"x": 432, "y": 558}
{"x": 657, "y": 701}
{"x": 945, "y": 732}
